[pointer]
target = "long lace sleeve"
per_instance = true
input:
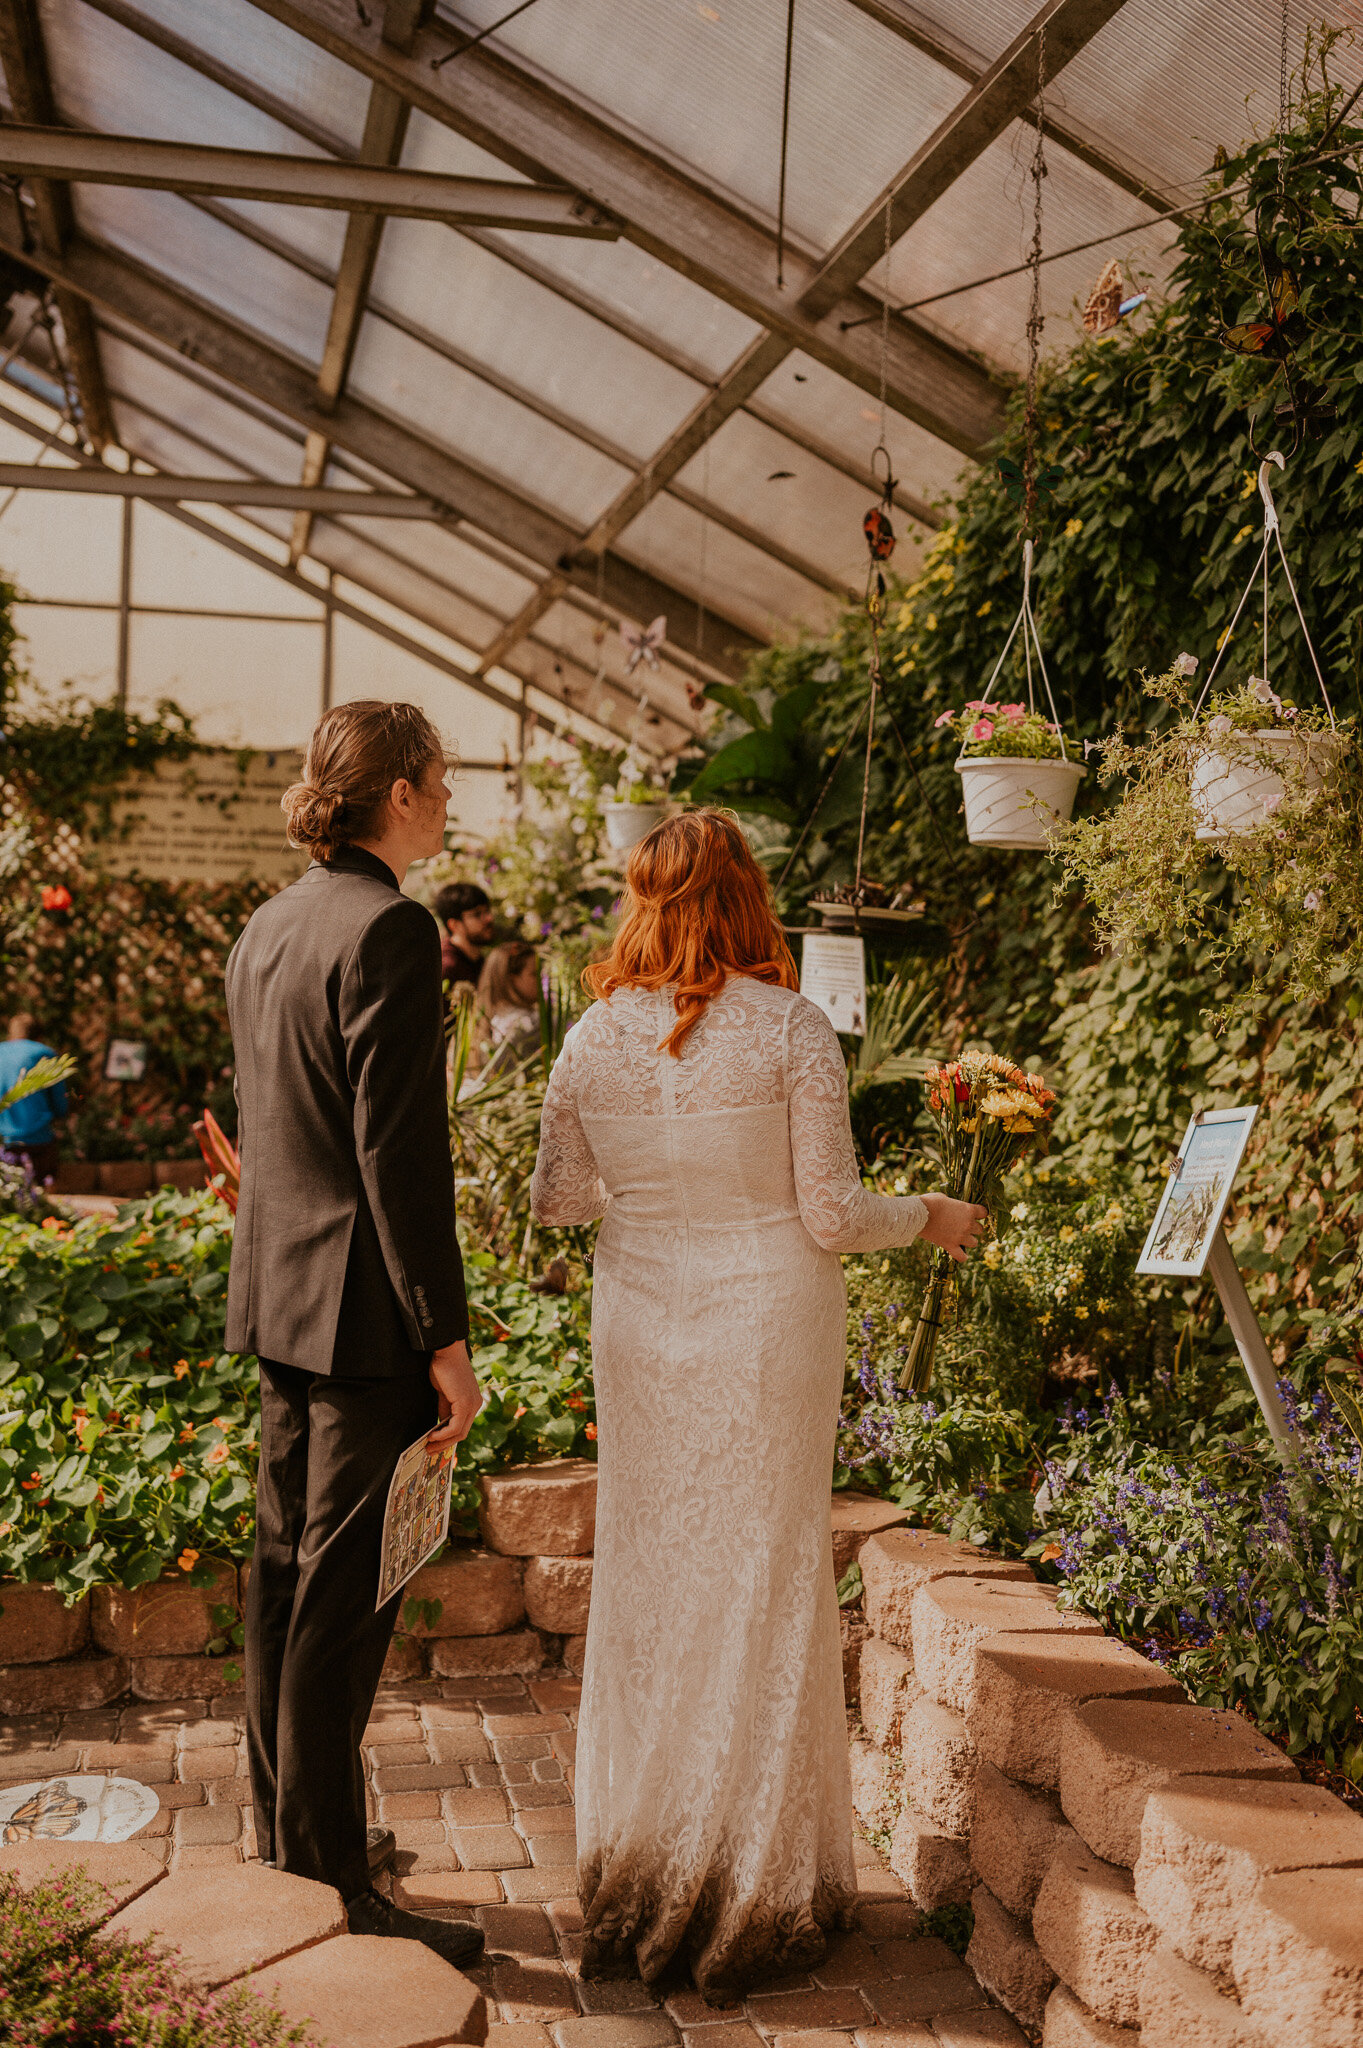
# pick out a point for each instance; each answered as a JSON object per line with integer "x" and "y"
{"x": 566, "y": 1188}
{"x": 838, "y": 1212}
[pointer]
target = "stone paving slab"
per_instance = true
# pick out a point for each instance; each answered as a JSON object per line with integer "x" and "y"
{"x": 123, "y": 1868}
{"x": 474, "y": 1775}
{"x": 228, "y": 1922}
{"x": 368, "y": 1991}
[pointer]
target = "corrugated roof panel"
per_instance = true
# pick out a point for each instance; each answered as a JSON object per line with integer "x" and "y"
{"x": 248, "y": 42}
{"x": 819, "y": 403}
{"x": 784, "y": 493}
{"x": 1167, "y": 85}
{"x": 450, "y": 560}
{"x": 208, "y": 422}
{"x": 748, "y": 586}
{"x": 206, "y": 258}
{"x": 703, "y": 85}
{"x": 106, "y": 77}
{"x": 984, "y": 224}
{"x": 571, "y": 631}
{"x": 495, "y": 433}
{"x": 463, "y": 293}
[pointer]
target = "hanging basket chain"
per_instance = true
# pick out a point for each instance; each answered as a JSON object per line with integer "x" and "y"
{"x": 1036, "y": 319}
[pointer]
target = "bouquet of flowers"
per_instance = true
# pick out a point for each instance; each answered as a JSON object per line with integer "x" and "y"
{"x": 988, "y": 1114}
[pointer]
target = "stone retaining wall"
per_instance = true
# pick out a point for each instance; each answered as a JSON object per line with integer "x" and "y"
{"x": 1144, "y": 1873}
{"x": 508, "y": 1606}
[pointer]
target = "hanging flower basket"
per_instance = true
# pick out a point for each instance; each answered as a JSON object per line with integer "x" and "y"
{"x": 1236, "y": 786}
{"x": 628, "y": 823}
{"x": 1016, "y": 776}
{"x": 1013, "y": 801}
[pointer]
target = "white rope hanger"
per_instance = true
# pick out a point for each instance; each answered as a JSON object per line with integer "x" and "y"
{"x": 1031, "y": 643}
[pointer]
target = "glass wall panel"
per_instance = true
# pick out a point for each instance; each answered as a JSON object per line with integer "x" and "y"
{"x": 739, "y": 580}
{"x": 62, "y": 647}
{"x": 246, "y": 682}
{"x": 172, "y": 565}
{"x": 56, "y": 546}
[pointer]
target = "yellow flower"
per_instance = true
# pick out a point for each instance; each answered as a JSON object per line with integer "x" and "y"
{"x": 1223, "y": 638}
{"x": 1081, "y": 1314}
{"x": 1074, "y": 1274}
{"x": 1249, "y": 484}
{"x": 1073, "y": 526}
{"x": 931, "y": 622}
{"x": 993, "y": 1256}
{"x": 1243, "y": 534}
{"x": 1067, "y": 1233}
{"x": 988, "y": 605}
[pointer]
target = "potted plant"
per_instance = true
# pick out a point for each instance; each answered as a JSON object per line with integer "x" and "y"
{"x": 639, "y": 803}
{"x": 1251, "y": 739}
{"x": 1239, "y": 830}
{"x": 1018, "y": 782}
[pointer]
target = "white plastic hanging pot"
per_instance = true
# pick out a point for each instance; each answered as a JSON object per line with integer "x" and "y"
{"x": 627, "y": 824}
{"x": 1234, "y": 787}
{"x": 1013, "y": 801}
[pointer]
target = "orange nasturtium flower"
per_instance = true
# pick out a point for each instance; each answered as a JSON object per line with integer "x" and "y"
{"x": 218, "y": 1455}
{"x": 177, "y": 1471}
{"x": 181, "y": 1368}
{"x": 188, "y": 1433}
{"x": 187, "y": 1560}
{"x": 590, "y": 1432}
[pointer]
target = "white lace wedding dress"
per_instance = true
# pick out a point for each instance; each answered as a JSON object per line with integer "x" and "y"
{"x": 713, "y": 1807}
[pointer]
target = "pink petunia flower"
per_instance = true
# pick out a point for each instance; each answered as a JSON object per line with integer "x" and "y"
{"x": 945, "y": 719}
{"x": 983, "y": 729}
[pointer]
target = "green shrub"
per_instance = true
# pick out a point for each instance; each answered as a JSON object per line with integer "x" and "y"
{"x": 63, "y": 1984}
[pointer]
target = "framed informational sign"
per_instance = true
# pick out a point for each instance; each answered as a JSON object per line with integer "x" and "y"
{"x": 1196, "y": 1194}
{"x": 126, "y": 1060}
{"x": 833, "y": 977}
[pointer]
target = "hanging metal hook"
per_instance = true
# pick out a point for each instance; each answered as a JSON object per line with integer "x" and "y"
{"x": 1270, "y": 509}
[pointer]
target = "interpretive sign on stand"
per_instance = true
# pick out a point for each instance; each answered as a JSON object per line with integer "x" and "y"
{"x": 214, "y": 817}
{"x": 833, "y": 977}
{"x": 1188, "y": 1238}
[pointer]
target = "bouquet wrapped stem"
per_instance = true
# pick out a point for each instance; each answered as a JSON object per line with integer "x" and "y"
{"x": 988, "y": 1113}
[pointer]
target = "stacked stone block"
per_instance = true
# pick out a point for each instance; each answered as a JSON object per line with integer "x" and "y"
{"x": 1144, "y": 1873}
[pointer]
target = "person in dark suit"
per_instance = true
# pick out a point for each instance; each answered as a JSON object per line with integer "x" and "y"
{"x": 346, "y": 1279}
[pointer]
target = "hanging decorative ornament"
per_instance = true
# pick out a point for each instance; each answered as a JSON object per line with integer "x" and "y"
{"x": 643, "y": 642}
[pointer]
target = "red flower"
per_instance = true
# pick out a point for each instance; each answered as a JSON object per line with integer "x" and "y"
{"x": 590, "y": 1431}
{"x": 56, "y": 896}
{"x": 962, "y": 1091}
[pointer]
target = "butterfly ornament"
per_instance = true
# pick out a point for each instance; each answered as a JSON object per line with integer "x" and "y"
{"x": 643, "y": 642}
{"x": 1109, "y": 303}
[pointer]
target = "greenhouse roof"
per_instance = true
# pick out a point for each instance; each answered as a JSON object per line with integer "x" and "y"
{"x": 587, "y": 365}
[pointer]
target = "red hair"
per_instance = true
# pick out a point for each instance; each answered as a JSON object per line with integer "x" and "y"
{"x": 697, "y": 909}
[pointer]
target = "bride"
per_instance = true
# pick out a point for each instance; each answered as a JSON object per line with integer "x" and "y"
{"x": 700, "y": 1107}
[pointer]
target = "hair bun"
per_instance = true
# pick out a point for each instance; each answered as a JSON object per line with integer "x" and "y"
{"x": 313, "y": 818}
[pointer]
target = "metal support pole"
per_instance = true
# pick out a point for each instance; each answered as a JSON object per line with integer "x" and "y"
{"x": 1249, "y": 1342}
{"x": 125, "y": 585}
{"x": 328, "y": 644}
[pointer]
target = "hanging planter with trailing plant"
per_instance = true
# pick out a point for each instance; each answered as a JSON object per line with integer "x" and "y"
{"x": 1018, "y": 780}
{"x": 1268, "y": 790}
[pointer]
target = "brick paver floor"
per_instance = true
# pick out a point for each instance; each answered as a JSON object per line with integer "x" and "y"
{"x": 475, "y": 1778}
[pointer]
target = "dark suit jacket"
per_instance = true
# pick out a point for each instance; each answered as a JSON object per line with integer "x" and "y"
{"x": 344, "y": 1258}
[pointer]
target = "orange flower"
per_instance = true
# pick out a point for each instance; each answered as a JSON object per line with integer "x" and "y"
{"x": 6, "y": 1528}
{"x": 29, "y": 1484}
{"x": 181, "y": 1368}
{"x": 590, "y": 1432}
{"x": 187, "y": 1560}
{"x": 522, "y": 1410}
{"x": 187, "y": 1434}
{"x": 576, "y": 1401}
{"x": 218, "y": 1455}
{"x": 177, "y": 1471}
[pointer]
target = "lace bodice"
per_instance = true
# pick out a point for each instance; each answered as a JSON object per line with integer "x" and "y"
{"x": 755, "y": 1048}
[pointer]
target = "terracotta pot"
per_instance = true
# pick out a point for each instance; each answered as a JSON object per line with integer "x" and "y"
{"x": 1002, "y": 792}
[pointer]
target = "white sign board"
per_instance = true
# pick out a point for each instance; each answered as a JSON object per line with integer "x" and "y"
{"x": 214, "y": 817}
{"x": 833, "y": 976}
{"x": 1197, "y": 1193}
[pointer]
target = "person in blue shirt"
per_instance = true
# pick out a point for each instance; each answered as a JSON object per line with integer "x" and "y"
{"x": 27, "y": 1128}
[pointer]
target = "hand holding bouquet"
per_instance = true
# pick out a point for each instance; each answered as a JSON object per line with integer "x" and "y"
{"x": 988, "y": 1114}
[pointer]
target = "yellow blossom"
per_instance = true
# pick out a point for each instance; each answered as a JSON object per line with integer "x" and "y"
{"x": 1243, "y": 534}
{"x": 988, "y": 605}
{"x": 993, "y": 1256}
{"x": 1081, "y": 1313}
{"x": 1249, "y": 483}
{"x": 1067, "y": 1233}
{"x": 932, "y": 622}
{"x": 1073, "y": 526}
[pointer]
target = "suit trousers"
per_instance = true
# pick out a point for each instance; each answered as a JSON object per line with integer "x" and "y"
{"x": 314, "y": 1643}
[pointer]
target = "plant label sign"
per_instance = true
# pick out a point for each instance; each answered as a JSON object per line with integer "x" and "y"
{"x": 1196, "y": 1194}
{"x": 833, "y": 977}
{"x": 416, "y": 1519}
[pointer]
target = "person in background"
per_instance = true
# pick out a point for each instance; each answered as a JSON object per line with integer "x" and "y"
{"x": 509, "y": 998}
{"x": 465, "y": 914}
{"x": 27, "y": 1129}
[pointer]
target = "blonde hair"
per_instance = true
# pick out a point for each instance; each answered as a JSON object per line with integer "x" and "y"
{"x": 356, "y": 753}
{"x": 500, "y": 969}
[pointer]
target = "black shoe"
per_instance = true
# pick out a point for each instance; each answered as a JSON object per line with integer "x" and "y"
{"x": 456, "y": 1941}
{"x": 382, "y": 1845}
